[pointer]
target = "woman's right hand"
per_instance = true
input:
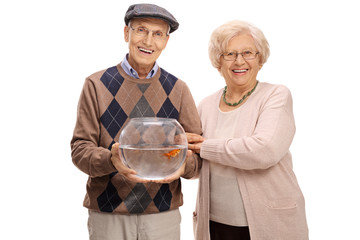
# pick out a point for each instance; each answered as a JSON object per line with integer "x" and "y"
{"x": 194, "y": 142}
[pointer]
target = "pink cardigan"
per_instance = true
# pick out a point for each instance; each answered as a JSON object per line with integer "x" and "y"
{"x": 273, "y": 201}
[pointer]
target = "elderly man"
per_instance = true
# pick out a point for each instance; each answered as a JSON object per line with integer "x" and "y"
{"x": 122, "y": 205}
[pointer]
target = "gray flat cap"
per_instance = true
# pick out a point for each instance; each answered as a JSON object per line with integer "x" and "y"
{"x": 151, "y": 11}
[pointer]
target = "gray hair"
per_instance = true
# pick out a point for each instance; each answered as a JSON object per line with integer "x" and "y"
{"x": 222, "y": 35}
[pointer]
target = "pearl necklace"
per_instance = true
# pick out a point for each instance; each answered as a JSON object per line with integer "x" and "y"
{"x": 241, "y": 100}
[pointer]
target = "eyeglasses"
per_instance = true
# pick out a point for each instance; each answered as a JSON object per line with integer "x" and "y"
{"x": 143, "y": 31}
{"x": 232, "y": 56}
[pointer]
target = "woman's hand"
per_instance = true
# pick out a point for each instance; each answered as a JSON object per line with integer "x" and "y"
{"x": 128, "y": 173}
{"x": 194, "y": 142}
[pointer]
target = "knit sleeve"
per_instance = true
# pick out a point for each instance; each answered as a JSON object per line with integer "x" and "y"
{"x": 190, "y": 120}
{"x": 269, "y": 143}
{"x": 86, "y": 153}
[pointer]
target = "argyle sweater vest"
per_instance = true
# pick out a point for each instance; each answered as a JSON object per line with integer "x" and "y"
{"x": 108, "y": 100}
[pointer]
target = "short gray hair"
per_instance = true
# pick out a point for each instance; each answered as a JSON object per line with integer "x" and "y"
{"x": 222, "y": 35}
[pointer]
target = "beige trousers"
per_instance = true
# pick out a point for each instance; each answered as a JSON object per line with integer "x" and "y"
{"x": 158, "y": 226}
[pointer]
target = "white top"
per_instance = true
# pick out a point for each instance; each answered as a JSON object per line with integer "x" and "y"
{"x": 226, "y": 204}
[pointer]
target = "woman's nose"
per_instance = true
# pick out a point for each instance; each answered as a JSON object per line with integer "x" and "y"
{"x": 239, "y": 59}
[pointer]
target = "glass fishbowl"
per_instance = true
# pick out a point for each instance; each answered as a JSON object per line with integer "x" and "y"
{"x": 154, "y": 147}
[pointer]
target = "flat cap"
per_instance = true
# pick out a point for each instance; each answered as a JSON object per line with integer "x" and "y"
{"x": 151, "y": 11}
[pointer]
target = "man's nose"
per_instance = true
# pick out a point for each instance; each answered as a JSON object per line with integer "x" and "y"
{"x": 148, "y": 39}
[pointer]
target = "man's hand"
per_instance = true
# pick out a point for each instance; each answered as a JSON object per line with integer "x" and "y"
{"x": 128, "y": 173}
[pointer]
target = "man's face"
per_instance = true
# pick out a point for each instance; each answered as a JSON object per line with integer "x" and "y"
{"x": 144, "y": 49}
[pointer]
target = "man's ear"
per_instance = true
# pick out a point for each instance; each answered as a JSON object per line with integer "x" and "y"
{"x": 126, "y": 34}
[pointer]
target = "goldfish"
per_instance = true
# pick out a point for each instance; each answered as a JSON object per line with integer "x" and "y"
{"x": 172, "y": 153}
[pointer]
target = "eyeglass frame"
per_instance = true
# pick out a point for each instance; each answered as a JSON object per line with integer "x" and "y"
{"x": 147, "y": 31}
{"x": 237, "y": 55}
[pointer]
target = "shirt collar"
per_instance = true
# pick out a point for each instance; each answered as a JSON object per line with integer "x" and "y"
{"x": 132, "y": 73}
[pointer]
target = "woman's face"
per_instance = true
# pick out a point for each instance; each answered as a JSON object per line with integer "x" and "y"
{"x": 240, "y": 72}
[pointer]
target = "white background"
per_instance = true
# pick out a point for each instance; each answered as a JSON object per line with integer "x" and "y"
{"x": 47, "y": 48}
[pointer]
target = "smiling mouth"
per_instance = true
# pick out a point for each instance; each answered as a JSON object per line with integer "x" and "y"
{"x": 144, "y": 50}
{"x": 240, "y": 71}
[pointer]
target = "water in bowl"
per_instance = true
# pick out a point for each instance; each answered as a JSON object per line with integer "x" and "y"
{"x": 153, "y": 162}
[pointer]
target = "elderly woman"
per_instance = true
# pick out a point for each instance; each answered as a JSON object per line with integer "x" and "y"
{"x": 247, "y": 187}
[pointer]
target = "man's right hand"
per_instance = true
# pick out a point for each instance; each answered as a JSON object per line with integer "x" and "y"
{"x": 128, "y": 173}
